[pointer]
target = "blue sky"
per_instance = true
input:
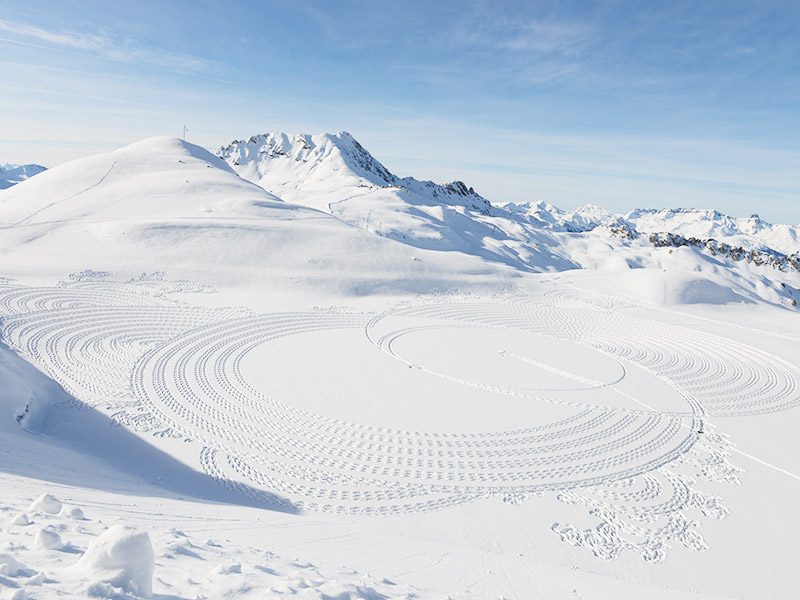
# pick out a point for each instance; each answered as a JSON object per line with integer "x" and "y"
{"x": 621, "y": 104}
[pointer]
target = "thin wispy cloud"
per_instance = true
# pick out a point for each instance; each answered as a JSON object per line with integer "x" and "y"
{"x": 107, "y": 46}
{"x": 569, "y": 102}
{"x": 545, "y": 37}
{"x": 69, "y": 39}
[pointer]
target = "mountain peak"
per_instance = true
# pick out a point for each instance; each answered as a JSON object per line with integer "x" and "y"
{"x": 330, "y": 160}
{"x": 337, "y": 151}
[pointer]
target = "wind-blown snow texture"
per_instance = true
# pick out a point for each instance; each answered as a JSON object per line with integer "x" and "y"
{"x": 291, "y": 373}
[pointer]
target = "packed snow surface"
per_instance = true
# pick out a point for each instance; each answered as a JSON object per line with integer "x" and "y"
{"x": 291, "y": 373}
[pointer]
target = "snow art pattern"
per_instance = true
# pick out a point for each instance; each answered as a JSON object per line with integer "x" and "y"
{"x": 160, "y": 366}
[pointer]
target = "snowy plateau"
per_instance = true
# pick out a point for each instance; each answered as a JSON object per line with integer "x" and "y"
{"x": 282, "y": 371}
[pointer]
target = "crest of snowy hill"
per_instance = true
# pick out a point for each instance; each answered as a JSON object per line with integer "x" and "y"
{"x": 14, "y": 174}
{"x": 163, "y": 204}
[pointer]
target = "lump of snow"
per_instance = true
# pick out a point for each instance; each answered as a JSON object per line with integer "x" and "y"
{"x": 37, "y": 579}
{"x": 181, "y": 549}
{"x": 73, "y": 512}
{"x": 121, "y": 557}
{"x": 14, "y": 567}
{"x": 49, "y": 539}
{"x": 46, "y": 503}
{"x": 228, "y": 569}
{"x": 18, "y": 594}
{"x": 21, "y": 519}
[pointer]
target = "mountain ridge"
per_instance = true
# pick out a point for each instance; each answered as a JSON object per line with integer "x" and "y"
{"x": 254, "y": 160}
{"x": 340, "y": 150}
{"x": 13, "y": 174}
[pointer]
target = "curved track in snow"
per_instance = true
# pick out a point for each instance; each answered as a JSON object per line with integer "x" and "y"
{"x": 182, "y": 371}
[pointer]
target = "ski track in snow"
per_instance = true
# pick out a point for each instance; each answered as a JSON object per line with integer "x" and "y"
{"x": 174, "y": 370}
{"x": 33, "y": 215}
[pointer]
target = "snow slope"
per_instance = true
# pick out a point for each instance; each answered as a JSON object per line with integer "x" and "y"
{"x": 14, "y": 174}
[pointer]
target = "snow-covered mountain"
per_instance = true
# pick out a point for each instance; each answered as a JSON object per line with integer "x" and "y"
{"x": 11, "y": 174}
{"x": 335, "y": 161}
{"x": 323, "y": 208}
{"x": 547, "y": 216}
{"x": 578, "y": 419}
{"x": 165, "y": 204}
{"x": 337, "y": 175}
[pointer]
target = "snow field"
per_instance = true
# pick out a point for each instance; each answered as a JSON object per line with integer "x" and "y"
{"x": 204, "y": 375}
{"x": 118, "y": 562}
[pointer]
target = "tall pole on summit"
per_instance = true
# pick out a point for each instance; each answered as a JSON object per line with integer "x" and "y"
{"x": 184, "y": 132}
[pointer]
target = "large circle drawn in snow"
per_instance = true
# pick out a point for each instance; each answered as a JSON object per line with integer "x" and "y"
{"x": 504, "y": 357}
{"x": 203, "y": 387}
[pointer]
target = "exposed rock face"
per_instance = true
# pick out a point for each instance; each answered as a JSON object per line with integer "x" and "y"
{"x": 770, "y": 258}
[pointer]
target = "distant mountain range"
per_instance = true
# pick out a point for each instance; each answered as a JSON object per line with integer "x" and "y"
{"x": 13, "y": 174}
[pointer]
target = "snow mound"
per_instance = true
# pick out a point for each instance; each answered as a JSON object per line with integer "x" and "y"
{"x": 21, "y": 519}
{"x": 46, "y": 503}
{"x": 121, "y": 557}
{"x": 73, "y": 512}
{"x": 48, "y": 539}
{"x": 14, "y": 567}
